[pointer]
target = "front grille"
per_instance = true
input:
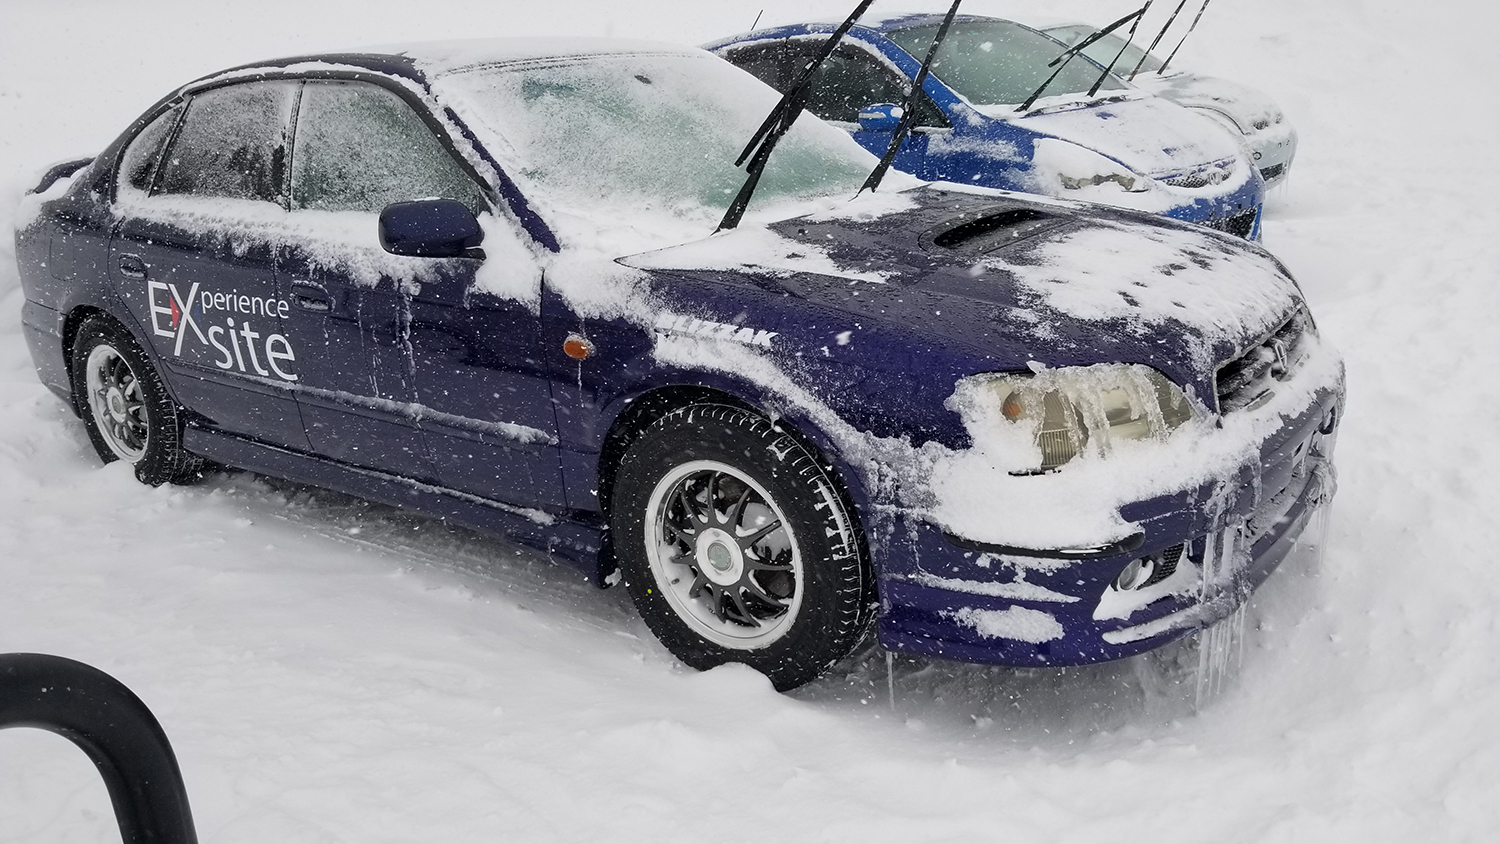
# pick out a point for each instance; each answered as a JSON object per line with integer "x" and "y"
{"x": 1239, "y": 225}
{"x": 1250, "y": 379}
{"x": 1273, "y": 172}
{"x": 1212, "y": 174}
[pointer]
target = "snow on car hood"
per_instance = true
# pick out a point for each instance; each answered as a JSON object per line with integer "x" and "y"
{"x": 1079, "y": 284}
{"x": 1148, "y": 134}
{"x": 1248, "y": 107}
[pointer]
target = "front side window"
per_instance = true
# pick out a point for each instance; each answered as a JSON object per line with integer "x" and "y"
{"x": 232, "y": 143}
{"x": 360, "y": 147}
{"x": 139, "y": 162}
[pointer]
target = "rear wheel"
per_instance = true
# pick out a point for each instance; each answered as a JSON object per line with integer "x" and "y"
{"x": 737, "y": 547}
{"x": 126, "y": 409}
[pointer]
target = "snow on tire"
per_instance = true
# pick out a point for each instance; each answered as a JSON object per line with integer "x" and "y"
{"x": 125, "y": 407}
{"x": 736, "y": 546}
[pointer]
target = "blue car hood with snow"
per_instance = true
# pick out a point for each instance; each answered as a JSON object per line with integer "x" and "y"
{"x": 1015, "y": 281}
{"x": 1149, "y": 135}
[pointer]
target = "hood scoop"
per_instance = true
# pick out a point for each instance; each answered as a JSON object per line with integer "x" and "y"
{"x": 990, "y": 232}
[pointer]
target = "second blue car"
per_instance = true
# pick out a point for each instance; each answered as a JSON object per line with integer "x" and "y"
{"x": 1119, "y": 147}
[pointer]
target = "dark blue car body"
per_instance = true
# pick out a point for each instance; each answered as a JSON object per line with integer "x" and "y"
{"x": 462, "y": 404}
{"x": 962, "y": 145}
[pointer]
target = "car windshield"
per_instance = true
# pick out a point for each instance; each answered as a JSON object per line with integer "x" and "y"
{"x": 1105, "y": 49}
{"x": 631, "y": 139}
{"x": 998, "y": 62}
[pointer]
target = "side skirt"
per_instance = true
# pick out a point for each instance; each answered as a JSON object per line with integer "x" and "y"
{"x": 578, "y": 544}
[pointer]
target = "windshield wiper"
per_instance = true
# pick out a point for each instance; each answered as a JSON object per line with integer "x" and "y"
{"x": 1157, "y": 40}
{"x": 1129, "y": 37}
{"x": 909, "y": 108}
{"x": 1072, "y": 52}
{"x": 1201, "y": 10}
{"x": 780, "y": 121}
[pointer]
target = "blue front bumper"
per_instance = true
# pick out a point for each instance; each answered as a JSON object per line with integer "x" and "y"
{"x": 941, "y": 599}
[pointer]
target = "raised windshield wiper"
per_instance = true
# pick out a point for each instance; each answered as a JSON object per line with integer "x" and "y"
{"x": 1074, "y": 51}
{"x": 779, "y": 122}
{"x": 1157, "y": 40}
{"x": 909, "y": 108}
{"x": 1129, "y": 37}
{"x": 1201, "y": 10}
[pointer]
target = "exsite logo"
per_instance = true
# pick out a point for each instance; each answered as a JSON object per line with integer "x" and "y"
{"x": 172, "y": 316}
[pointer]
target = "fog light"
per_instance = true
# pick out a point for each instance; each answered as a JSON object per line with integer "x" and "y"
{"x": 1135, "y": 574}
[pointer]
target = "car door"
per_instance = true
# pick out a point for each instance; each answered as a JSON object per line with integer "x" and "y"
{"x": 193, "y": 256}
{"x": 435, "y": 374}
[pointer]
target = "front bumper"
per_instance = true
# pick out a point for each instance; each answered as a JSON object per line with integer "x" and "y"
{"x": 939, "y": 598}
{"x": 1273, "y": 150}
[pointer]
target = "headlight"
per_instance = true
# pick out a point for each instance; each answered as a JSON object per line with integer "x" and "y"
{"x": 1077, "y": 168}
{"x": 1072, "y": 410}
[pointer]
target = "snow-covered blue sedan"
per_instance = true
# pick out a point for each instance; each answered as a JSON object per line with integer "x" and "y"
{"x": 481, "y": 280}
{"x": 978, "y": 124}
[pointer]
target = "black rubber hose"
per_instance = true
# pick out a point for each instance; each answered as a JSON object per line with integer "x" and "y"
{"x": 104, "y": 718}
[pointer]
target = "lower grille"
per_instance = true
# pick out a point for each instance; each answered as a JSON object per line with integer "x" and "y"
{"x": 1166, "y": 567}
{"x": 1239, "y": 225}
{"x": 1273, "y": 172}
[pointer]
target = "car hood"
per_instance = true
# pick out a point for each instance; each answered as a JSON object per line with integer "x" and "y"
{"x": 1014, "y": 279}
{"x": 1150, "y": 135}
{"x": 1248, "y": 107}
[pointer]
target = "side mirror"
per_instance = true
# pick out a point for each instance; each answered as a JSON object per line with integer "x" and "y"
{"x": 431, "y": 228}
{"x": 880, "y": 117}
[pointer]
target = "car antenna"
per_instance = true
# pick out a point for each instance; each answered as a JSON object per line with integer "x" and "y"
{"x": 780, "y": 121}
{"x": 1072, "y": 52}
{"x": 1129, "y": 37}
{"x": 1157, "y": 40}
{"x": 909, "y": 109}
{"x": 763, "y": 11}
{"x": 1199, "y": 17}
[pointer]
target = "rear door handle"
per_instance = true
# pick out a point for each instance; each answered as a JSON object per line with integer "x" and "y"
{"x": 131, "y": 266}
{"x": 311, "y": 297}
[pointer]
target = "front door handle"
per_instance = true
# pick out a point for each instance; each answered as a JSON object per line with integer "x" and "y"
{"x": 311, "y": 297}
{"x": 131, "y": 266}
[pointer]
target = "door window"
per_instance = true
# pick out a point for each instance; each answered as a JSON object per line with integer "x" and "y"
{"x": 360, "y": 147}
{"x": 139, "y": 162}
{"x": 851, "y": 79}
{"x": 232, "y": 144}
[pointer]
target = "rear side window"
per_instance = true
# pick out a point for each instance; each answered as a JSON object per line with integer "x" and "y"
{"x": 139, "y": 162}
{"x": 360, "y": 147}
{"x": 232, "y": 143}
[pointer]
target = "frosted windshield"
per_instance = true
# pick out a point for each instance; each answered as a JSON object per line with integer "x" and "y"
{"x": 1107, "y": 49}
{"x": 647, "y": 134}
{"x": 999, "y": 62}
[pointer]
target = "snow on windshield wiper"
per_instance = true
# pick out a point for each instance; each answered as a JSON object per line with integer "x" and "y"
{"x": 1129, "y": 37}
{"x": 1062, "y": 61}
{"x": 780, "y": 121}
{"x": 1201, "y": 10}
{"x": 909, "y": 108}
{"x": 1157, "y": 40}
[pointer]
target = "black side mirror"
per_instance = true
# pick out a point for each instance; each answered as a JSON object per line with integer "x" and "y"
{"x": 431, "y": 228}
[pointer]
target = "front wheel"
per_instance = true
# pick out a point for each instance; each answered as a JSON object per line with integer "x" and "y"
{"x": 126, "y": 408}
{"x": 736, "y": 546}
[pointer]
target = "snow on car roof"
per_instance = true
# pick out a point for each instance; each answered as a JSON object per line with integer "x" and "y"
{"x": 439, "y": 57}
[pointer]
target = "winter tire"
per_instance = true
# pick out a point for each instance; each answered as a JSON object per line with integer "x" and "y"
{"x": 126, "y": 409}
{"x": 736, "y": 546}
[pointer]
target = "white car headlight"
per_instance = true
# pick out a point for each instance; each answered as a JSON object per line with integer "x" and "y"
{"x": 1076, "y": 168}
{"x": 1068, "y": 411}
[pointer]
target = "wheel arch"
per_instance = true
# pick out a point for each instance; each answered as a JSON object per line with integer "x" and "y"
{"x": 640, "y": 411}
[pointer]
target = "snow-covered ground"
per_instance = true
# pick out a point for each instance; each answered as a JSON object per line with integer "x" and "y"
{"x": 332, "y": 670}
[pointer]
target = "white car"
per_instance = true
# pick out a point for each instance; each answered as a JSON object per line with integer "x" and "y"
{"x": 1252, "y": 115}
